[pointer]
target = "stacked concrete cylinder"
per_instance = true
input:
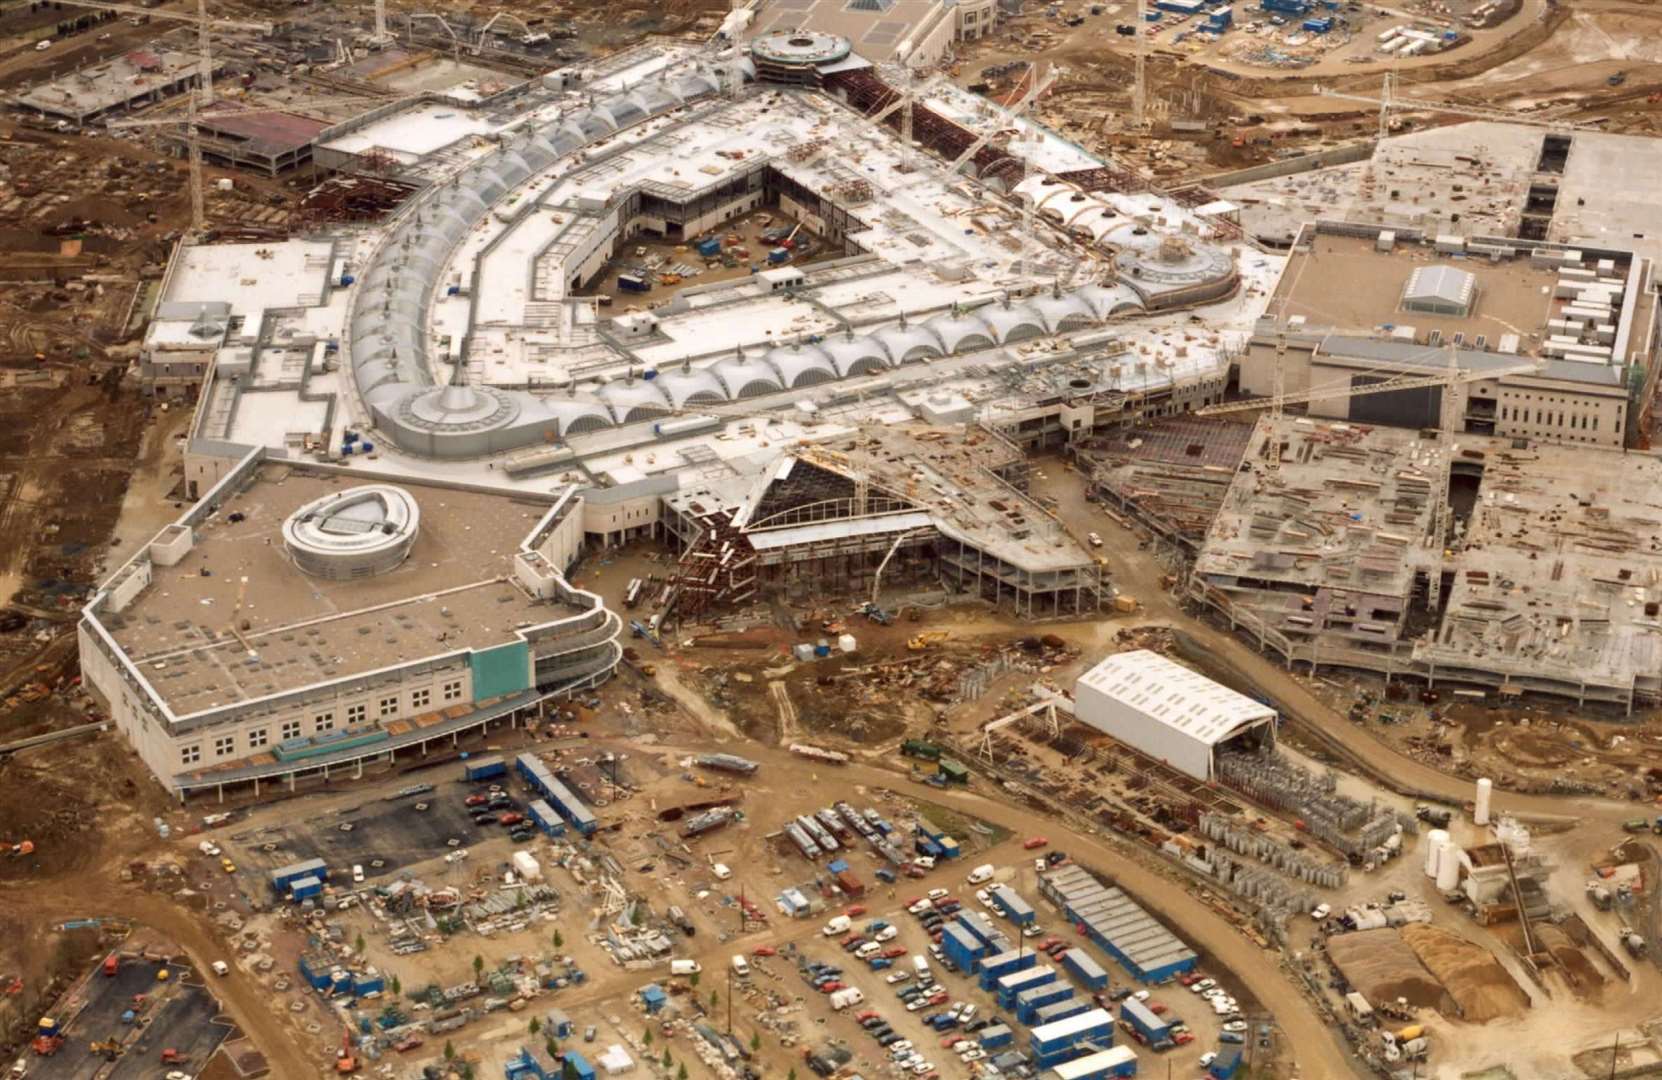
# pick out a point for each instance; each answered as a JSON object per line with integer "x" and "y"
{"x": 1480, "y": 805}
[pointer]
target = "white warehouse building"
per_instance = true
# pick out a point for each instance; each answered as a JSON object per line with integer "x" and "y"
{"x": 1168, "y": 711}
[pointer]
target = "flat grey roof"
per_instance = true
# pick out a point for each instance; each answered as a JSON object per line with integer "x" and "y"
{"x": 1410, "y": 354}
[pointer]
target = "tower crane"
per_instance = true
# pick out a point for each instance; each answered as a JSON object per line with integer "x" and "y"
{"x": 1448, "y": 421}
{"x": 905, "y": 100}
{"x": 200, "y": 17}
{"x": 1037, "y": 85}
{"x": 1388, "y": 99}
{"x": 193, "y": 138}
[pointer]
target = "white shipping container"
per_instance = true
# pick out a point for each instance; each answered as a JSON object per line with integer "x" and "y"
{"x": 526, "y": 865}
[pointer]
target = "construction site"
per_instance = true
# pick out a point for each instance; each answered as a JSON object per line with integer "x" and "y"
{"x": 1085, "y": 533}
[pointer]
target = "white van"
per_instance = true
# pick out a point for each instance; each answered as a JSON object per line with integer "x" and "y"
{"x": 741, "y": 966}
{"x": 920, "y": 964}
{"x": 220, "y": 967}
{"x": 684, "y": 967}
{"x": 357, "y": 873}
{"x": 721, "y": 872}
{"x": 838, "y": 925}
{"x": 981, "y": 873}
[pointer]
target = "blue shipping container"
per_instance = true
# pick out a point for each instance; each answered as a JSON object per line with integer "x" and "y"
{"x": 1142, "y": 1018}
{"x": 1061, "y": 1010}
{"x": 543, "y": 817}
{"x": 306, "y": 888}
{"x": 485, "y": 768}
{"x": 1029, "y": 1002}
{"x": 996, "y": 967}
{"x": 1085, "y": 969}
{"x": 995, "y": 1036}
{"x": 1011, "y": 985}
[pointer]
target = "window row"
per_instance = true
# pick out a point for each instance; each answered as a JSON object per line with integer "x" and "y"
{"x": 322, "y": 723}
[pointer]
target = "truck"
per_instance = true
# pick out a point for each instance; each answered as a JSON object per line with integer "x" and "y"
{"x": 1632, "y": 941}
{"x": 632, "y": 283}
{"x": 1636, "y": 825}
{"x": 838, "y": 925}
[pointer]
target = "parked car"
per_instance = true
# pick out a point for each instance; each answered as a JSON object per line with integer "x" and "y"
{"x": 1037, "y": 841}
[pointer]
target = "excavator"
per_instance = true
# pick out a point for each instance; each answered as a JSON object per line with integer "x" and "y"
{"x": 18, "y": 848}
{"x": 927, "y": 639}
{"x": 110, "y": 1048}
{"x": 346, "y": 1062}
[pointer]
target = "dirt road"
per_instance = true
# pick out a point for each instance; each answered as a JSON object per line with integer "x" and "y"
{"x": 1319, "y": 1052}
{"x": 1230, "y": 660}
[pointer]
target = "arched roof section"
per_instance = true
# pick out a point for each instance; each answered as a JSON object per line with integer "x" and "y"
{"x": 691, "y": 86}
{"x": 577, "y": 415}
{"x": 856, "y": 355}
{"x": 962, "y": 331}
{"x": 1017, "y": 322}
{"x": 1130, "y": 235}
{"x": 1109, "y": 300}
{"x": 909, "y": 344}
{"x": 655, "y": 99}
{"x": 745, "y": 378}
{"x": 690, "y": 387}
{"x": 626, "y": 110}
{"x": 800, "y": 365}
{"x": 1063, "y": 313}
{"x": 633, "y": 399}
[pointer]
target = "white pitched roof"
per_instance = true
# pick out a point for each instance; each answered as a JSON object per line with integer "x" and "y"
{"x": 1175, "y": 695}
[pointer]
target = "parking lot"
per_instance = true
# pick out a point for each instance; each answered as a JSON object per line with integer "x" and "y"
{"x": 178, "y": 1013}
{"x": 382, "y": 835}
{"x": 950, "y": 1049}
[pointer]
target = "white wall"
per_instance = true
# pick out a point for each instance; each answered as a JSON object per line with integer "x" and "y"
{"x": 1139, "y": 730}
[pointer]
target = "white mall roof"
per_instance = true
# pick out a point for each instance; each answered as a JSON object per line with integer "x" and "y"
{"x": 1179, "y": 697}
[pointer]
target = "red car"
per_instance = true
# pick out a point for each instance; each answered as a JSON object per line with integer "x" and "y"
{"x": 831, "y": 987}
{"x": 855, "y": 911}
{"x": 1156, "y": 1008}
{"x": 510, "y": 818}
{"x": 477, "y": 800}
{"x": 1183, "y": 1038}
{"x": 954, "y": 1037}
{"x": 939, "y": 997}
{"x": 869, "y": 1014}
{"x": 851, "y": 939}
{"x": 1188, "y": 978}
{"x": 1035, "y": 842}
{"x": 892, "y": 952}
{"x": 764, "y": 950}
{"x": 1050, "y": 943}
